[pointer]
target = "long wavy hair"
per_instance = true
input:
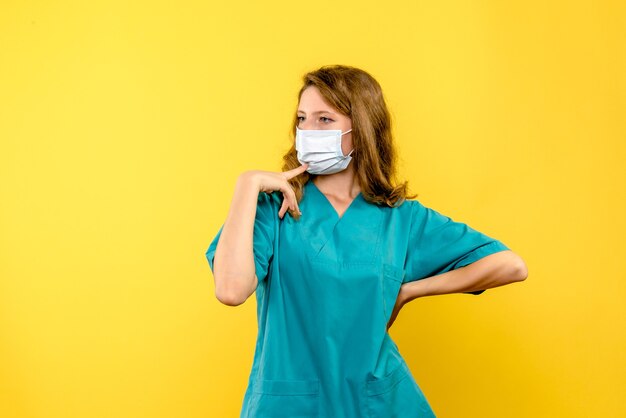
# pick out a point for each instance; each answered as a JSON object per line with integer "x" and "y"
{"x": 357, "y": 95}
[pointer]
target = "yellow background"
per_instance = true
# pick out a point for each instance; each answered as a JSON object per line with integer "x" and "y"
{"x": 124, "y": 125}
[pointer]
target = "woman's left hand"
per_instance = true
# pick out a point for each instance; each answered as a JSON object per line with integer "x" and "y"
{"x": 396, "y": 308}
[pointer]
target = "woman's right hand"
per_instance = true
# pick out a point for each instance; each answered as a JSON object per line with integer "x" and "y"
{"x": 269, "y": 181}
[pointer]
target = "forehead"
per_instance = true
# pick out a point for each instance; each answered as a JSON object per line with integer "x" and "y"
{"x": 312, "y": 102}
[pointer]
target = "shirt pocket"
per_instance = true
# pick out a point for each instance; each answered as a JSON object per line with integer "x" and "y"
{"x": 285, "y": 398}
{"x": 392, "y": 280}
{"x": 396, "y": 395}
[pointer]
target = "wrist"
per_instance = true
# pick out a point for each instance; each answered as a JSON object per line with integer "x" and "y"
{"x": 412, "y": 290}
{"x": 249, "y": 181}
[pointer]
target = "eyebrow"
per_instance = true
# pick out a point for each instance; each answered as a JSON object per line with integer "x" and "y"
{"x": 318, "y": 112}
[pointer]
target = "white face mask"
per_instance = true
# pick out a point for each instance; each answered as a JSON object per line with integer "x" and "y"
{"x": 321, "y": 150}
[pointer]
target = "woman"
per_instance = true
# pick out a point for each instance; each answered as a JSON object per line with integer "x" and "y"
{"x": 331, "y": 277}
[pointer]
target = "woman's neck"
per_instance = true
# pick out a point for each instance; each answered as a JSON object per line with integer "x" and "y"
{"x": 342, "y": 185}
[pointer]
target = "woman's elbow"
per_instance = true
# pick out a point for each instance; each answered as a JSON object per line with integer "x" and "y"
{"x": 228, "y": 299}
{"x": 232, "y": 292}
{"x": 520, "y": 270}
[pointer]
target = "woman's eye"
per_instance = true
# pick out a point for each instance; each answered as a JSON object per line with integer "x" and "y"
{"x": 323, "y": 118}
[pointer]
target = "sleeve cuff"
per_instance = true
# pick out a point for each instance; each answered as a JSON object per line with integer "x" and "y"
{"x": 481, "y": 252}
{"x": 210, "y": 256}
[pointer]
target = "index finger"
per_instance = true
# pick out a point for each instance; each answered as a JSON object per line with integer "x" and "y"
{"x": 295, "y": 171}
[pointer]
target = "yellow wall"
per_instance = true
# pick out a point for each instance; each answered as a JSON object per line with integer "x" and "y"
{"x": 123, "y": 129}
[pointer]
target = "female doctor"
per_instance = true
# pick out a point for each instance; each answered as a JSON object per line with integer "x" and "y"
{"x": 331, "y": 277}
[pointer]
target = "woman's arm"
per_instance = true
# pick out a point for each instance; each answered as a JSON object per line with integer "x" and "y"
{"x": 494, "y": 270}
{"x": 234, "y": 272}
{"x": 234, "y": 263}
{"x": 497, "y": 269}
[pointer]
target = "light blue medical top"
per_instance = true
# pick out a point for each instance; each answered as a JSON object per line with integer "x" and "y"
{"x": 326, "y": 290}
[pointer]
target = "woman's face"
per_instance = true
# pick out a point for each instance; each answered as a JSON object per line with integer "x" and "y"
{"x": 315, "y": 113}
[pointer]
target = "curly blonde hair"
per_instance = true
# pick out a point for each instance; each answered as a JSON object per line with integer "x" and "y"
{"x": 357, "y": 95}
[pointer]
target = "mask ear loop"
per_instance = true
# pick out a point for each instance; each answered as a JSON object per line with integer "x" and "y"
{"x": 346, "y": 156}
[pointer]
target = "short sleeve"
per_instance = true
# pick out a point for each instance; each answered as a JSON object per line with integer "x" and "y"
{"x": 438, "y": 244}
{"x": 265, "y": 224}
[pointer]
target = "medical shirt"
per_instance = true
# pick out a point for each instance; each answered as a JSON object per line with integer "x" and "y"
{"x": 326, "y": 289}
